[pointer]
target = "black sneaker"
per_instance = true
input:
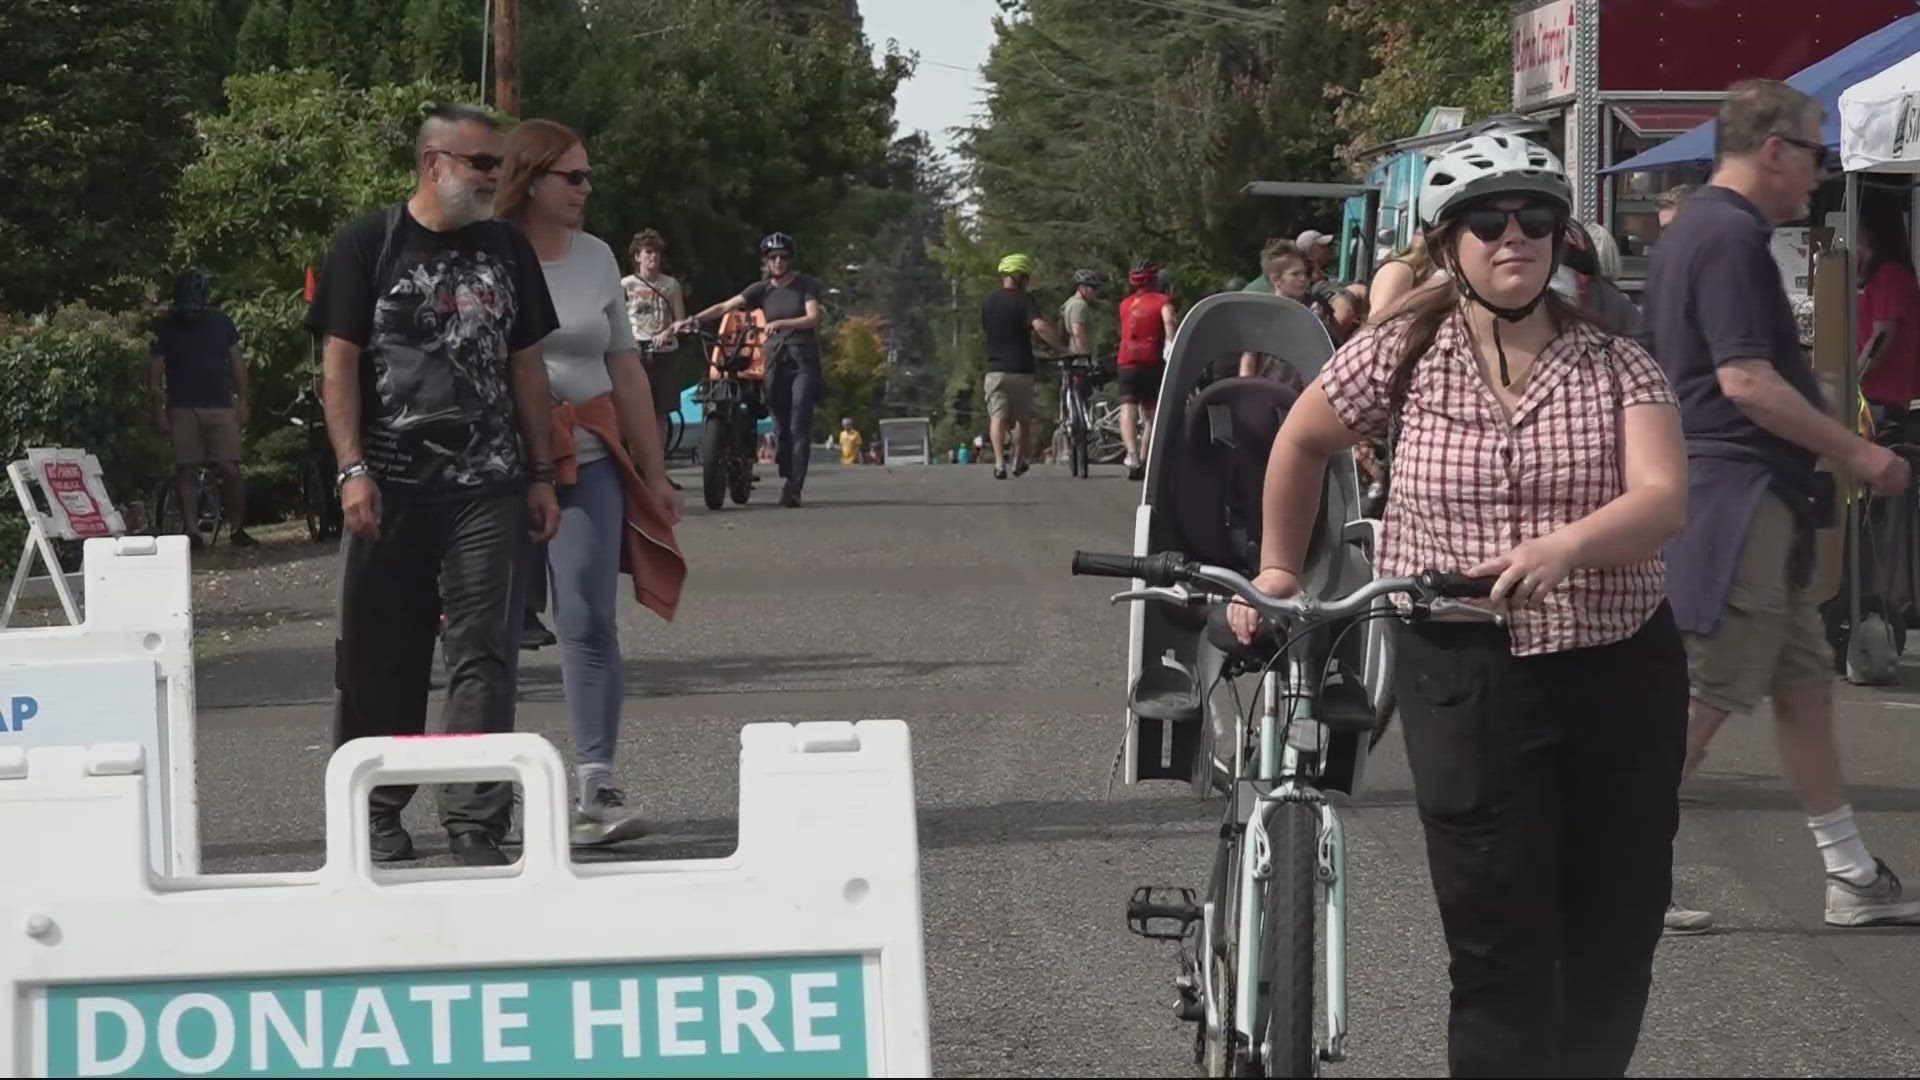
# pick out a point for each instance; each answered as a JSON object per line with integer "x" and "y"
{"x": 389, "y": 840}
{"x": 239, "y": 538}
{"x": 999, "y": 472}
{"x": 790, "y": 499}
{"x": 477, "y": 847}
{"x": 1136, "y": 472}
{"x": 534, "y": 633}
{"x": 1020, "y": 468}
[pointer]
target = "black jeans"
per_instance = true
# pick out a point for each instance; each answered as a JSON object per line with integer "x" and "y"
{"x": 1548, "y": 788}
{"x": 457, "y": 557}
{"x": 793, "y": 391}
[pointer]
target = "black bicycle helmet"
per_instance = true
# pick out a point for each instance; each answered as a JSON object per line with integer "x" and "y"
{"x": 1086, "y": 277}
{"x": 191, "y": 290}
{"x": 778, "y": 241}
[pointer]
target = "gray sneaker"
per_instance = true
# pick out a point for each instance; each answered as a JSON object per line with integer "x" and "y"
{"x": 1687, "y": 921}
{"x": 605, "y": 819}
{"x": 1880, "y": 903}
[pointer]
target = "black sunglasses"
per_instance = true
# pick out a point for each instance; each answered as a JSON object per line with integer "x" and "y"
{"x": 576, "y": 177}
{"x": 480, "y": 162}
{"x": 1489, "y": 223}
{"x": 1819, "y": 149}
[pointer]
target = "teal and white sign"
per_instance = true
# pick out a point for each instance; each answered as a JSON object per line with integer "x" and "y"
{"x": 802, "y": 1016}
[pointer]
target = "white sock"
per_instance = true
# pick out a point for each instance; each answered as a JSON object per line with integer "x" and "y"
{"x": 1841, "y": 846}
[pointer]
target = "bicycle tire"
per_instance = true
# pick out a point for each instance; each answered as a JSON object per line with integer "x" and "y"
{"x": 166, "y": 510}
{"x": 1077, "y": 448}
{"x": 211, "y": 513}
{"x": 1288, "y": 928}
{"x": 713, "y": 463}
{"x": 313, "y": 501}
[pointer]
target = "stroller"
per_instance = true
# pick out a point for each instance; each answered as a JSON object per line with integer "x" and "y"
{"x": 1202, "y": 497}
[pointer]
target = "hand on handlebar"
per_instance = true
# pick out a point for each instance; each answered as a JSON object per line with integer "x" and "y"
{"x": 1530, "y": 571}
{"x": 1276, "y": 583}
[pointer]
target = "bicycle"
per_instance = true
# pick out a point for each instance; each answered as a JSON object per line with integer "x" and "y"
{"x": 210, "y": 516}
{"x": 1248, "y": 949}
{"x": 734, "y": 398}
{"x": 1080, "y": 373}
{"x": 319, "y": 499}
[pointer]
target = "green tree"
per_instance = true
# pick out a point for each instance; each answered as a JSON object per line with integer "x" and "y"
{"x": 1456, "y": 53}
{"x": 316, "y": 36}
{"x": 94, "y": 99}
{"x": 262, "y": 42}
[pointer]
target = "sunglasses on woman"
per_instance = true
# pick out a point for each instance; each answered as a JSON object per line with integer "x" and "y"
{"x": 1537, "y": 221}
{"x": 575, "y": 177}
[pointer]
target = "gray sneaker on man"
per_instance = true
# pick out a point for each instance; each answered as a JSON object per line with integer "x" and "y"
{"x": 1682, "y": 921}
{"x": 603, "y": 818}
{"x": 1881, "y": 903}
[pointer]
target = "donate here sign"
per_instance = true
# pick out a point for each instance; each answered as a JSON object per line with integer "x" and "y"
{"x": 802, "y": 1016}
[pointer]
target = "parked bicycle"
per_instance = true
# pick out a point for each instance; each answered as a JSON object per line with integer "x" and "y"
{"x": 209, "y": 514}
{"x": 1248, "y": 948}
{"x": 319, "y": 498}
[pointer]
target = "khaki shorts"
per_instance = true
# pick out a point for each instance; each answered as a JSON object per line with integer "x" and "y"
{"x": 1009, "y": 396}
{"x": 1771, "y": 637}
{"x": 203, "y": 435}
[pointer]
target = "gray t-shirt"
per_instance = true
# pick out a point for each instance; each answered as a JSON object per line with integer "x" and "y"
{"x": 1076, "y": 311}
{"x": 593, "y": 322}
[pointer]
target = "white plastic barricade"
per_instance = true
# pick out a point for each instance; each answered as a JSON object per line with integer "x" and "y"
{"x": 906, "y": 441}
{"x": 123, "y": 674}
{"x": 798, "y": 955}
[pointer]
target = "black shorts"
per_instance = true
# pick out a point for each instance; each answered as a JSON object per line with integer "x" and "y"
{"x": 1140, "y": 384}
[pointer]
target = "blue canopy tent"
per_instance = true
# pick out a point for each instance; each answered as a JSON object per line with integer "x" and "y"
{"x": 1824, "y": 81}
{"x": 692, "y": 414}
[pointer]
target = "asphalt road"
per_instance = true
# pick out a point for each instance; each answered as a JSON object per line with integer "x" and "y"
{"x": 940, "y": 596}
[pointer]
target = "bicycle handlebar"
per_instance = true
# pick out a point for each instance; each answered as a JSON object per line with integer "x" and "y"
{"x": 1170, "y": 568}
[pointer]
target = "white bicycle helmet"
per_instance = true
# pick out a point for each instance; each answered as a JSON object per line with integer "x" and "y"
{"x": 1494, "y": 164}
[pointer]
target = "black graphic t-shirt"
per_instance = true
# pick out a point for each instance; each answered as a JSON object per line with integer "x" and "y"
{"x": 437, "y": 415}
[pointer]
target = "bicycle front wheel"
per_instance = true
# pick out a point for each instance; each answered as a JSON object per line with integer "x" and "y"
{"x": 1077, "y": 447}
{"x": 1287, "y": 1041}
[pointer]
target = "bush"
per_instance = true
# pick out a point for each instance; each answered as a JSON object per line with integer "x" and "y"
{"x": 78, "y": 378}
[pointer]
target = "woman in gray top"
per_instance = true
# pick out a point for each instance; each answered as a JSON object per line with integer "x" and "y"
{"x": 591, "y": 355}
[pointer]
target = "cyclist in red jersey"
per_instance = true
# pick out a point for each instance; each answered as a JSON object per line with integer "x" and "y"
{"x": 1146, "y": 325}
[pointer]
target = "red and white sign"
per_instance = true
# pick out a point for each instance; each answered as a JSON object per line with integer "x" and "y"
{"x": 66, "y": 482}
{"x": 1543, "y": 49}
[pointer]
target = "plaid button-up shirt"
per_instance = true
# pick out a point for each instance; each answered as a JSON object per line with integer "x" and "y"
{"x": 1470, "y": 483}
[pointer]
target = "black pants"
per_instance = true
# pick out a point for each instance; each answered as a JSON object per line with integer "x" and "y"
{"x": 457, "y": 557}
{"x": 663, "y": 380}
{"x": 793, "y": 391}
{"x": 1548, "y": 788}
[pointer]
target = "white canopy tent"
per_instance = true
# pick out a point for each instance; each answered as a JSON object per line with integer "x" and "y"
{"x": 1880, "y": 121}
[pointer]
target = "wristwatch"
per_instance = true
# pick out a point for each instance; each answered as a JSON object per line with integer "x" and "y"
{"x": 541, "y": 472}
{"x": 357, "y": 468}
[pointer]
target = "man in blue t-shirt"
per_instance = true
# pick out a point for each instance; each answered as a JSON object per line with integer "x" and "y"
{"x": 199, "y": 381}
{"x": 1717, "y": 318}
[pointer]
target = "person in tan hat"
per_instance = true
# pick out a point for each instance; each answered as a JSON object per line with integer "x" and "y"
{"x": 1318, "y": 249}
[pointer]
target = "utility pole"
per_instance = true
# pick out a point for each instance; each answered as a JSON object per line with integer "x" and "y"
{"x": 506, "y": 56}
{"x": 486, "y": 47}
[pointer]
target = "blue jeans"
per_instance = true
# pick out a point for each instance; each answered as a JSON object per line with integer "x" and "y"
{"x": 795, "y": 389}
{"x": 584, "y": 560}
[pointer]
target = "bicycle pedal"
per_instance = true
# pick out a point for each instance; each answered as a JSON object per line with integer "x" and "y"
{"x": 1162, "y": 913}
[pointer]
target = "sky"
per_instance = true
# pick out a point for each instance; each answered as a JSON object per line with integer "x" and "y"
{"x": 948, "y": 35}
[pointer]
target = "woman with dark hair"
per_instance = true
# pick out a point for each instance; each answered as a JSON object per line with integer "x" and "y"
{"x": 1890, "y": 299}
{"x": 1531, "y": 447}
{"x": 607, "y": 450}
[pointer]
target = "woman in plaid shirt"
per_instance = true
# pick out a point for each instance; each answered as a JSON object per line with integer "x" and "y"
{"x": 1532, "y": 447}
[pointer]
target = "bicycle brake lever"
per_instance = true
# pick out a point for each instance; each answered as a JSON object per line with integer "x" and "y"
{"x": 1445, "y": 607}
{"x": 1174, "y": 594}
